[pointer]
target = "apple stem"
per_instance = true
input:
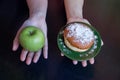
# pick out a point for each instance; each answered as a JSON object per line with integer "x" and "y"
{"x": 31, "y": 32}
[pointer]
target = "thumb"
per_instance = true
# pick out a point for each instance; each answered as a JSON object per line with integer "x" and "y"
{"x": 15, "y": 43}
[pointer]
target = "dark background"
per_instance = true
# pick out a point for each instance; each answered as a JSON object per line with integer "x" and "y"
{"x": 103, "y": 14}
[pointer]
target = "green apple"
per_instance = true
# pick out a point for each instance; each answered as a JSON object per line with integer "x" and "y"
{"x": 31, "y": 38}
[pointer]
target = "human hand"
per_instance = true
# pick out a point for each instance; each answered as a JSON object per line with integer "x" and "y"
{"x": 25, "y": 54}
{"x": 92, "y": 60}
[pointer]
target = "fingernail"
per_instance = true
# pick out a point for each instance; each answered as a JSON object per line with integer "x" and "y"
{"x": 75, "y": 62}
{"x": 22, "y": 59}
{"x": 46, "y": 57}
{"x": 28, "y": 63}
{"x": 35, "y": 60}
{"x": 92, "y": 62}
{"x": 13, "y": 48}
{"x": 62, "y": 54}
{"x": 84, "y": 65}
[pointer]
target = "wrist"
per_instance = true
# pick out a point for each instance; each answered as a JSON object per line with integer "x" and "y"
{"x": 74, "y": 19}
{"x": 35, "y": 20}
{"x": 77, "y": 19}
{"x": 37, "y": 16}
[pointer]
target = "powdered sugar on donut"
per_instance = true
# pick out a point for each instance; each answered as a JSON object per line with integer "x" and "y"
{"x": 81, "y": 33}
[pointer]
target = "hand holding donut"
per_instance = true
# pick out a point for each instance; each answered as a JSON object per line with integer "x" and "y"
{"x": 78, "y": 37}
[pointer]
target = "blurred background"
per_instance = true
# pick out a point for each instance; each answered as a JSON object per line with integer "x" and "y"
{"x": 104, "y": 15}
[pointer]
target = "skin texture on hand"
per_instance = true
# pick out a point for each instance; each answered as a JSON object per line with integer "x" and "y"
{"x": 26, "y": 55}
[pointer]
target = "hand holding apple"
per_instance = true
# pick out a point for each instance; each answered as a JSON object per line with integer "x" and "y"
{"x": 34, "y": 51}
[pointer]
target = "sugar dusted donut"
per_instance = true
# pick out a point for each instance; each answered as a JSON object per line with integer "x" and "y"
{"x": 78, "y": 37}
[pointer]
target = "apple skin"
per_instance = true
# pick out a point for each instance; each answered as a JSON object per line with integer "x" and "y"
{"x": 31, "y": 38}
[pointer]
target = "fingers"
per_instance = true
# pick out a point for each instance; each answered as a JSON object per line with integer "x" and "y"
{"x": 75, "y": 62}
{"x": 23, "y": 55}
{"x": 45, "y": 49}
{"x": 102, "y": 43}
{"x": 29, "y": 58}
{"x": 16, "y": 41}
{"x": 84, "y": 63}
{"x": 37, "y": 56}
{"x": 92, "y": 61}
{"x": 62, "y": 54}
{"x": 15, "y": 44}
